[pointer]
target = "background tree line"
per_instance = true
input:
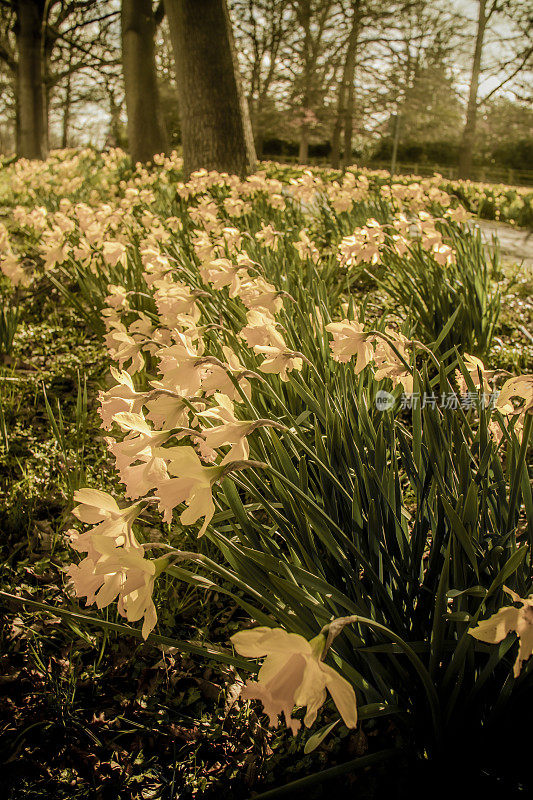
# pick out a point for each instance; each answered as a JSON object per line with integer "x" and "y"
{"x": 449, "y": 81}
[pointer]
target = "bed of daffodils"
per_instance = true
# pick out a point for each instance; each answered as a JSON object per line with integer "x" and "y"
{"x": 361, "y": 479}
{"x": 510, "y": 204}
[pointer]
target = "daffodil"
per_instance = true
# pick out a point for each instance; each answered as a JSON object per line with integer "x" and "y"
{"x": 306, "y": 247}
{"x": 233, "y": 238}
{"x": 155, "y": 264}
{"x": 293, "y": 674}
{"x": 389, "y": 364}
{"x": 349, "y": 339}
{"x": 114, "y": 253}
{"x": 362, "y": 246}
{"x": 101, "y": 509}
{"x": 4, "y": 239}
{"x": 122, "y": 347}
{"x": 221, "y": 272}
{"x": 258, "y": 293}
{"x": 180, "y": 367}
{"x": 443, "y": 254}
{"x": 166, "y": 409}
{"x": 203, "y": 246}
{"x": 121, "y": 397}
{"x": 260, "y": 329}
{"x": 507, "y": 619}
{"x": 279, "y": 359}
{"x": 217, "y": 377}
{"x": 174, "y": 299}
{"x": 340, "y": 200}
{"x": 11, "y": 267}
{"x": 236, "y": 207}
{"x": 191, "y": 485}
{"x": 521, "y": 387}
{"x": 117, "y": 297}
{"x": 474, "y": 367}
{"x": 269, "y": 236}
{"x": 53, "y": 247}
{"x": 140, "y": 440}
{"x": 230, "y": 431}
{"x": 110, "y": 571}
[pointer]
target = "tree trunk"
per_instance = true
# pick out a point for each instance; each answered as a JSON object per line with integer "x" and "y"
{"x": 259, "y": 143}
{"x": 115, "y": 134}
{"x": 466, "y": 151}
{"x": 67, "y": 103}
{"x": 215, "y": 125}
{"x": 344, "y": 107}
{"x": 348, "y": 124}
{"x": 337, "y": 130}
{"x": 46, "y": 127}
{"x": 303, "y": 152}
{"x": 304, "y": 15}
{"x": 30, "y": 86}
{"x": 18, "y": 146}
{"x": 146, "y": 131}
{"x": 66, "y": 111}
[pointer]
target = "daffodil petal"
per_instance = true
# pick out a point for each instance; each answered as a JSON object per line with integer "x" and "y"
{"x": 343, "y": 695}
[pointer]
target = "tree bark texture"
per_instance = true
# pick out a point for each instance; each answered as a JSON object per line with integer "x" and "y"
{"x": 146, "y": 130}
{"x": 216, "y": 130}
{"x": 32, "y": 133}
{"x": 345, "y": 99}
{"x": 466, "y": 152}
{"x": 348, "y": 123}
{"x": 66, "y": 112}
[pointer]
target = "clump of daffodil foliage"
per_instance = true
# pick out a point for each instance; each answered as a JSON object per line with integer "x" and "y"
{"x": 362, "y": 477}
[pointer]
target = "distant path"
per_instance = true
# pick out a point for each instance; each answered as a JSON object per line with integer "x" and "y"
{"x": 516, "y": 244}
